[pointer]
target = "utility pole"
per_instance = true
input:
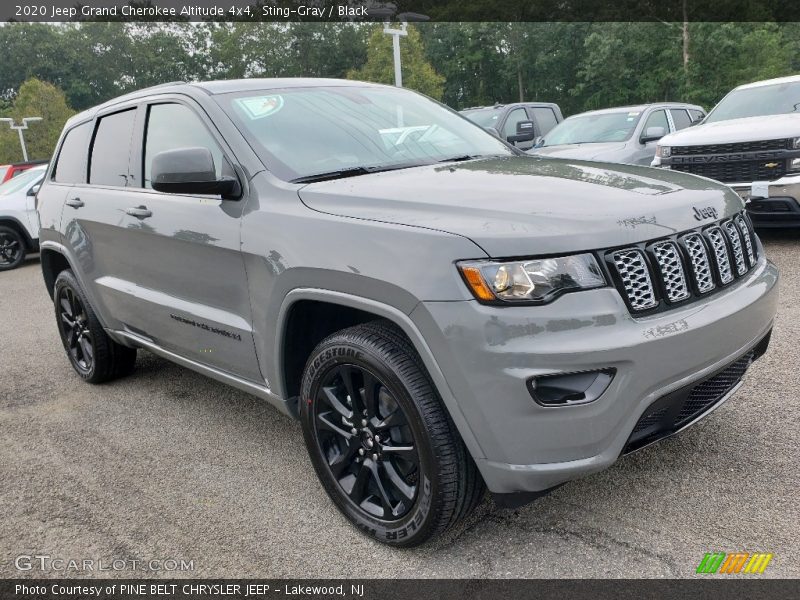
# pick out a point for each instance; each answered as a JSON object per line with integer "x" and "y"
{"x": 20, "y": 129}
{"x": 396, "y": 33}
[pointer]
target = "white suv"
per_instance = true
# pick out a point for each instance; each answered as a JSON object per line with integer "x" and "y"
{"x": 751, "y": 142}
{"x": 19, "y": 223}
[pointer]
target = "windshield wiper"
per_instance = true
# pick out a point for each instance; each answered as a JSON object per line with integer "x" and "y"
{"x": 353, "y": 172}
{"x": 461, "y": 158}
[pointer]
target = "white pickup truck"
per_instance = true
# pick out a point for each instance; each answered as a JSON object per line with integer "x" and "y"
{"x": 751, "y": 142}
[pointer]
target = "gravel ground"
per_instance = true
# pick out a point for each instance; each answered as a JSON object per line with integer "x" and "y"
{"x": 170, "y": 464}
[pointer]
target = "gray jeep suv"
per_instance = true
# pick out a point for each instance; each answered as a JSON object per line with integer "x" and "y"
{"x": 442, "y": 312}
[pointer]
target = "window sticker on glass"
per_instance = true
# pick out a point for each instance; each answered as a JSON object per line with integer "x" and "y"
{"x": 259, "y": 107}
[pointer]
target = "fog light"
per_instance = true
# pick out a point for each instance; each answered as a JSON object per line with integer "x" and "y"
{"x": 794, "y": 165}
{"x": 570, "y": 388}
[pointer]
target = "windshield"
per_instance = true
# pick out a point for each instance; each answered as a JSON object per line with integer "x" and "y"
{"x": 594, "y": 128}
{"x": 303, "y": 132}
{"x": 22, "y": 181}
{"x": 485, "y": 117}
{"x": 776, "y": 99}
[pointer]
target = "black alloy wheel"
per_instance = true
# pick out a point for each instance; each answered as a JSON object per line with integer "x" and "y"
{"x": 365, "y": 437}
{"x": 75, "y": 331}
{"x": 380, "y": 439}
{"x": 12, "y": 249}
{"x": 95, "y": 357}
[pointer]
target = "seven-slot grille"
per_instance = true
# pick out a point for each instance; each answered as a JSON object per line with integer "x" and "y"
{"x": 684, "y": 266}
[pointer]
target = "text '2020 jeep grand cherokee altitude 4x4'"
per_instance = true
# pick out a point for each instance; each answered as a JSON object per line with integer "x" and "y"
{"x": 442, "y": 312}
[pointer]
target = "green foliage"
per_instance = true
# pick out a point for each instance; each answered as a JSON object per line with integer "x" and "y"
{"x": 418, "y": 73}
{"x": 580, "y": 66}
{"x": 35, "y": 99}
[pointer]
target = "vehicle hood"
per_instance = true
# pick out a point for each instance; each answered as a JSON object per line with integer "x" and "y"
{"x": 527, "y": 205}
{"x": 750, "y": 129}
{"x": 593, "y": 151}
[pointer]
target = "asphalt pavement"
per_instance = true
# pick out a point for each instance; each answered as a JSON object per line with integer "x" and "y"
{"x": 168, "y": 465}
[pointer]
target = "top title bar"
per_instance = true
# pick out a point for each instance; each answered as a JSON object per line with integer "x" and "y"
{"x": 401, "y": 10}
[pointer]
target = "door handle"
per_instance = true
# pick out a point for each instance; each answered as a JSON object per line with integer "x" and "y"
{"x": 74, "y": 202}
{"x": 140, "y": 212}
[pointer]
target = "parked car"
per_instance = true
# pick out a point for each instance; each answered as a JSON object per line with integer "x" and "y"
{"x": 19, "y": 223}
{"x": 441, "y": 311}
{"x": 751, "y": 142}
{"x": 10, "y": 171}
{"x": 627, "y": 134}
{"x": 519, "y": 123}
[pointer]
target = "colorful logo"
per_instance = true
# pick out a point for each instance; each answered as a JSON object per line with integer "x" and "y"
{"x": 734, "y": 562}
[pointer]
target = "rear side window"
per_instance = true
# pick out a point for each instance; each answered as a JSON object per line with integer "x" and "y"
{"x": 545, "y": 117}
{"x": 173, "y": 126}
{"x": 110, "y": 151}
{"x": 696, "y": 114}
{"x": 71, "y": 163}
{"x": 680, "y": 117}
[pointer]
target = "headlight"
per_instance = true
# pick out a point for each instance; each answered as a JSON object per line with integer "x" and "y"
{"x": 796, "y": 143}
{"x": 535, "y": 281}
{"x": 663, "y": 151}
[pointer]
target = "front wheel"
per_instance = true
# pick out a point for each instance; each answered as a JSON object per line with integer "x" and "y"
{"x": 382, "y": 444}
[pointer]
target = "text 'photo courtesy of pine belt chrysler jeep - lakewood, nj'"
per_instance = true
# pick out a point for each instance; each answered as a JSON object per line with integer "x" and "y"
{"x": 751, "y": 142}
{"x": 441, "y": 311}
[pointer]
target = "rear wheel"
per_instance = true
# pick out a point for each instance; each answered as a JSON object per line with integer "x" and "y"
{"x": 12, "y": 248}
{"x": 380, "y": 440}
{"x": 92, "y": 353}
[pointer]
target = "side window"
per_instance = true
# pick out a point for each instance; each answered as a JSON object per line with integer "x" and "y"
{"x": 108, "y": 164}
{"x": 696, "y": 114}
{"x": 514, "y": 117}
{"x": 680, "y": 117}
{"x": 544, "y": 117}
{"x": 656, "y": 119}
{"x": 172, "y": 126}
{"x": 70, "y": 165}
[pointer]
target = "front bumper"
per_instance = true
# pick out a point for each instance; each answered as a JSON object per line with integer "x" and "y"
{"x": 770, "y": 204}
{"x": 774, "y": 205}
{"x": 487, "y": 355}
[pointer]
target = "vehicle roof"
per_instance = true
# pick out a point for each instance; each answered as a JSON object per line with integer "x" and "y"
{"x": 789, "y": 79}
{"x": 639, "y": 108}
{"x": 509, "y": 105}
{"x": 223, "y": 87}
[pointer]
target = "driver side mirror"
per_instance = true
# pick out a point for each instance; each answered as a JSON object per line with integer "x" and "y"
{"x": 525, "y": 132}
{"x": 191, "y": 171}
{"x": 34, "y": 190}
{"x": 652, "y": 134}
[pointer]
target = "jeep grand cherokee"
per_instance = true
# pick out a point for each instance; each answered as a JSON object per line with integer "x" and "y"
{"x": 443, "y": 313}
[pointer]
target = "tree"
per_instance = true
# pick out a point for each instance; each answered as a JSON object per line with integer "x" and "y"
{"x": 35, "y": 98}
{"x": 418, "y": 73}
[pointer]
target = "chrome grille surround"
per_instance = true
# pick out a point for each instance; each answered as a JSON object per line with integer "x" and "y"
{"x": 720, "y": 250}
{"x": 748, "y": 240}
{"x": 669, "y": 263}
{"x": 736, "y": 244}
{"x": 635, "y": 277}
{"x": 701, "y": 267}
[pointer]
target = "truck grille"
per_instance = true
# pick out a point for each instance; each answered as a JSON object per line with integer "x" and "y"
{"x": 670, "y": 271}
{"x": 735, "y": 172}
{"x": 782, "y": 144}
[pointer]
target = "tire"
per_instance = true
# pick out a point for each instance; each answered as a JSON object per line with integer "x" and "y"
{"x": 95, "y": 357}
{"x": 12, "y": 248}
{"x": 398, "y": 471}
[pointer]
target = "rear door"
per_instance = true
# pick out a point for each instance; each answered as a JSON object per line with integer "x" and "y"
{"x": 544, "y": 117}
